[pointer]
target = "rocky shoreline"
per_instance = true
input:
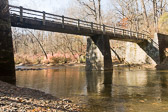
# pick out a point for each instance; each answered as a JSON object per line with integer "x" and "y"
{"x": 28, "y": 67}
{"x": 14, "y": 99}
{"x": 43, "y": 67}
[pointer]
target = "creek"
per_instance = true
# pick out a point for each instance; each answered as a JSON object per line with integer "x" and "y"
{"x": 120, "y": 90}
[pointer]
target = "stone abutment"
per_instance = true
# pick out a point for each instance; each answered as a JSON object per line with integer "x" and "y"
{"x": 7, "y": 68}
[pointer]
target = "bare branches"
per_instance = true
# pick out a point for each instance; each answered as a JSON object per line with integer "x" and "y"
{"x": 93, "y": 9}
{"x": 36, "y": 43}
{"x": 145, "y": 13}
{"x": 39, "y": 43}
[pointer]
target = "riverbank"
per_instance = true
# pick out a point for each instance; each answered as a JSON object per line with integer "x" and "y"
{"x": 139, "y": 66}
{"x": 25, "y": 67}
{"x": 14, "y": 98}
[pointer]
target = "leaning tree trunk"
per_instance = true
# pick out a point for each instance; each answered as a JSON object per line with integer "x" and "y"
{"x": 40, "y": 45}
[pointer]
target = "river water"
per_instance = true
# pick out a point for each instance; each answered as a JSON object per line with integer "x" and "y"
{"x": 120, "y": 90}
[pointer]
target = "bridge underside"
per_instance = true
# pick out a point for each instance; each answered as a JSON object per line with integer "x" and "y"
{"x": 37, "y": 24}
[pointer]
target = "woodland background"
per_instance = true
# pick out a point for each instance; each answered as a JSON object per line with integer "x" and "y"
{"x": 40, "y": 47}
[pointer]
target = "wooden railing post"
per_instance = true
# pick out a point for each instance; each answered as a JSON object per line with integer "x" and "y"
{"x": 78, "y": 24}
{"x": 136, "y": 34}
{"x": 114, "y": 30}
{"x": 130, "y": 33}
{"x": 123, "y": 32}
{"x": 21, "y": 14}
{"x": 97, "y": 26}
{"x": 104, "y": 29}
{"x": 62, "y": 21}
{"x": 43, "y": 18}
{"x": 143, "y": 36}
{"x": 92, "y": 27}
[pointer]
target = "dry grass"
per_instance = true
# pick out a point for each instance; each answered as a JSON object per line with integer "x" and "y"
{"x": 53, "y": 59}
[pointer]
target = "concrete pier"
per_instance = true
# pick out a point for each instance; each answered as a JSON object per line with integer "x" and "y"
{"x": 98, "y": 56}
{"x": 7, "y": 68}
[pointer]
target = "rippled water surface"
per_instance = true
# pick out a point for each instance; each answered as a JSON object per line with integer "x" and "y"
{"x": 123, "y": 90}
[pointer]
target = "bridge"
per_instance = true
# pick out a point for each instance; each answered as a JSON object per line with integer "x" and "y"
{"x": 98, "y": 56}
{"x": 40, "y": 20}
{"x": 33, "y": 19}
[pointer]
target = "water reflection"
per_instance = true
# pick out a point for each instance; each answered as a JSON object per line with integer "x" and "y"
{"x": 118, "y": 90}
{"x": 99, "y": 82}
{"x": 107, "y": 84}
{"x": 164, "y": 79}
{"x": 62, "y": 82}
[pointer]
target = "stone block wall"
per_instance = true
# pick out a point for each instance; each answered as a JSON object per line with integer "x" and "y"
{"x": 7, "y": 68}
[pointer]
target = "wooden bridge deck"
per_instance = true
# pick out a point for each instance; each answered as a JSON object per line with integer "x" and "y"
{"x": 32, "y": 19}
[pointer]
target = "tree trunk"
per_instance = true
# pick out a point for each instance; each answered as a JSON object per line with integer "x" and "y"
{"x": 161, "y": 7}
{"x": 116, "y": 55}
{"x": 40, "y": 45}
{"x": 145, "y": 13}
{"x": 100, "y": 16}
{"x": 137, "y": 19}
{"x": 155, "y": 15}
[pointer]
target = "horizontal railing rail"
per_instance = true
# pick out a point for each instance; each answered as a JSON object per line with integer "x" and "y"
{"x": 44, "y": 17}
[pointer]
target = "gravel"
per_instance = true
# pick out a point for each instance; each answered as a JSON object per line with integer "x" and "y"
{"x": 14, "y": 99}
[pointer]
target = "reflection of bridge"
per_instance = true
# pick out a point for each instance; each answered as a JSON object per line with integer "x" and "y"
{"x": 98, "y": 54}
{"x": 33, "y": 19}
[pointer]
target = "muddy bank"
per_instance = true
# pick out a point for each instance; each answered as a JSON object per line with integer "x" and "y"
{"x": 14, "y": 98}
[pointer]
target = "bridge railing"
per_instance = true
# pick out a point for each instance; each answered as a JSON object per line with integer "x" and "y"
{"x": 44, "y": 17}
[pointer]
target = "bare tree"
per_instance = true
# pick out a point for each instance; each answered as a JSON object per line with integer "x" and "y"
{"x": 38, "y": 43}
{"x": 145, "y": 14}
{"x": 92, "y": 8}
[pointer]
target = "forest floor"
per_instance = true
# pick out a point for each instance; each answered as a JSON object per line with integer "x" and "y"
{"x": 14, "y": 98}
